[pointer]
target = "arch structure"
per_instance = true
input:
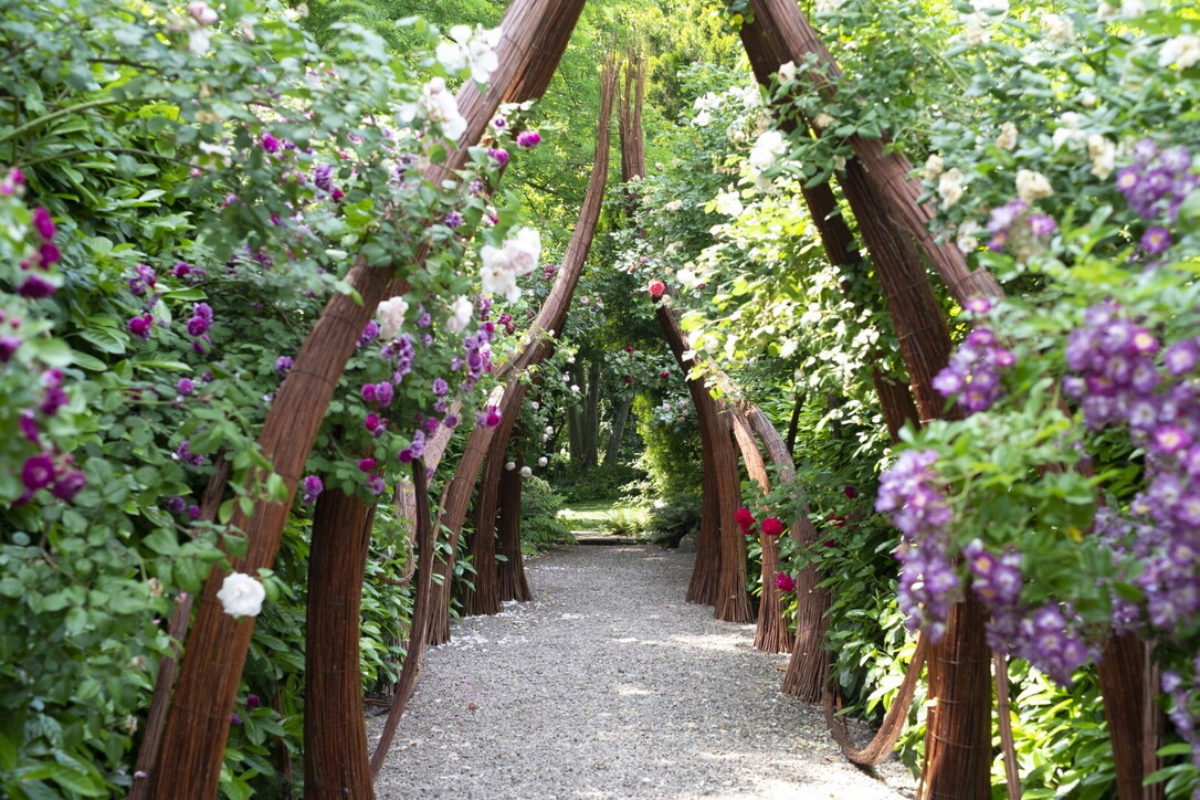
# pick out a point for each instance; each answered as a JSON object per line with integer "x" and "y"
{"x": 185, "y": 760}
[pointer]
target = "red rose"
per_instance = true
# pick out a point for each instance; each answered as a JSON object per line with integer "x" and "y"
{"x": 772, "y": 526}
{"x": 744, "y": 518}
{"x": 656, "y": 288}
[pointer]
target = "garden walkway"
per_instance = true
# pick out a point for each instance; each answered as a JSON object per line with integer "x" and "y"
{"x": 609, "y": 685}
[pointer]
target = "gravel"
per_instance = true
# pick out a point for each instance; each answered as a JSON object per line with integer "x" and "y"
{"x": 609, "y": 685}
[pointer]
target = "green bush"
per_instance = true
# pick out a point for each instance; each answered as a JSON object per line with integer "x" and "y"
{"x": 540, "y": 526}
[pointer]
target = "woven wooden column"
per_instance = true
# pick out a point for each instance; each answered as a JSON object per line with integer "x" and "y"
{"x": 511, "y": 571}
{"x": 771, "y": 634}
{"x": 722, "y": 491}
{"x": 548, "y": 324}
{"x": 335, "y": 734}
{"x": 197, "y": 727}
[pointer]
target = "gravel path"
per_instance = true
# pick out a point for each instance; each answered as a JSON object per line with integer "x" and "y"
{"x": 609, "y": 685}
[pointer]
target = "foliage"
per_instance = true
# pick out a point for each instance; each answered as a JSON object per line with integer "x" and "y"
{"x": 541, "y": 526}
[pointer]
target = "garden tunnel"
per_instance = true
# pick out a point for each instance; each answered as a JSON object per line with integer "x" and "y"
{"x": 184, "y": 738}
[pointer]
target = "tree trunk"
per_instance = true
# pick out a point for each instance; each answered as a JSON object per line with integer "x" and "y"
{"x": 1134, "y": 720}
{"x": 189, "y": 762}
{"x": 335, "y": 732}
{"x": 771, "y": 634}
{"x": 575, "y": 434}
{"x": 722, "y": 491}
{"x": 513, "y": 585}
{"x": 620, "y": 418}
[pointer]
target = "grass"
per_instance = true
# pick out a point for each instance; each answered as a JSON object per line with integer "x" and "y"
{"x": 605, "y": 517}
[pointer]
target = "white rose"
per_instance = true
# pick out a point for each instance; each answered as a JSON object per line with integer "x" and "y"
{"x": 933, "y": 167}
{"x": 202, "y": 13}
{"x": 575, "y": 388}
{"x": 828, "y": 6}
{"x": 510, "y": 466}
{"x": 769, "y": 145}
{"x": 441, "y": 107}
{"x": 966, "y": 240}
{"x": 703, "y": 119}
{"x": 460, "y": 314}
{"x": 390, "y": 316}
{"x": 951, "y": 187}
{"x": 787, "y": 72}
{"x": 1007, "y": 139}
{"x": 1181, "y": 51}
{"x": 822, "y": 121}
{"x": 1103, "y": 154}
{"x": 1059, "y": 29}
{"x": 1032, "y": 185}
{"x": 523, "y": 250}
{"x": 543, "y": 461}
{"x": 526, "y": 472}
{"x": 729, "y": 204}
{"x": 1131, "y": 9}
{"x": 549, "y": 431}
{"x": 241, "y": 595}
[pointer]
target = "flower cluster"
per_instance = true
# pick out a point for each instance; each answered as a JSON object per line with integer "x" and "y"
{"x": 1014, "y": 228}
{"x": 1048, "y": 638}
{"x": 517, "y": 256}
{"x": 745, "y": 521}
{"x": 35, "y": 286}
{"x": 1120, "y": 383}
{"x": 470, "y": 49}
{"x": 1155, "y": 186}
{"x": 910, "y": 490}
{"x": 973, "y": 373}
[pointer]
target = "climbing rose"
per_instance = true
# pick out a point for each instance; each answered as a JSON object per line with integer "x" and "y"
{"x": 744, "y": 518}
{"x": 35, "y": 287}
{"x": 769, "y": 146}
{"x": 460, "y": 314}
{"x": 37, "y": 472}
{"x": 785, "y": 582}
{"x": 43, "y": 222}
{"x": 526, "y": 472}
{"x": 140, "y": 326}
{"x": 656, "y": 288}
{"x": 283, "y": 365}
{"x": 366, "y": 464}
{"x": 529, "y": 139}
{"x": 390, "y": 315}
{"x": 241, "y": 595}
{"x": 772, "y": 526}
{"x": 312, "y": 488}
{"x": 185, "y": 386}
{"x": 68, "y": 485}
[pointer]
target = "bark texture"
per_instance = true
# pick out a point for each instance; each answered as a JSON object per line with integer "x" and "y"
{"x": 335, "y": 733}
{"x": 1135, "y": 724}
{"x": 511, "y": 571}
{"x": 771, "y": 634}
{"x": 724, "y": 581}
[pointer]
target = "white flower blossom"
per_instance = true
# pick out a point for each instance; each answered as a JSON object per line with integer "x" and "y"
{"x": 674, "y": 205}
{"x": 787, "y": 72}
{"x": 951, "y": 187}
{"x": 1007, "y": 139}
{"x": 822, "y": 120}
{"x": 543, "y": 461}
{"x": 729, "y": 204}
{"x": 498, "y": 279}
{"x": 439, "y": 105}
{"x": 1103, "y": 154}
{"x": 1180, "y": 51}
{"x": 526, "y": 471}
{"x": 575, "y": 388}
{"x": 934, "y": 165}
{"x": 1059, "y": 29}
{"x": 1032, "y": 185}
{"x": 202, "y": 12}
{"x": 769, "y": 146}
{"x": 510, "y": 466}
{"x": 460, "y": 314}
{"x": 1068, "y": 131}
{"x": 703, "y": 119}
{"x": 828, "y": 6}
{"x": 390, "y": 316}
{"x": 473, "y": 49}
{"x": 241, "y": 595}
{"x": 966, "y": 240}
{"x": 198, "y": 42}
